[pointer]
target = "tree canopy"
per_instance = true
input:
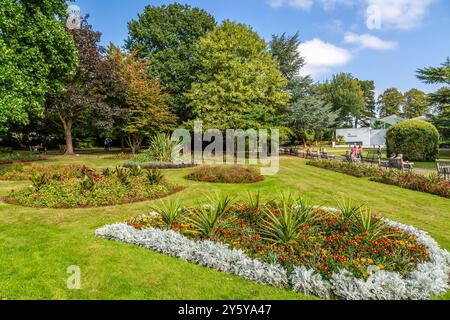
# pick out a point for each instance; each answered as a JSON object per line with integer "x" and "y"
{"x": 166, "y": 35}
{"x": 93, "y": 92}
{"x": 146, "y": 101}
{"x": 36, "y": 56}
{"x": 345, "y": 94}
{"x": 239, "y": 85}
{"x": 390, "y": 102}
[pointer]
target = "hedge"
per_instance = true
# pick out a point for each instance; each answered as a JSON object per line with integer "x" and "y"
{"x": 417, "y": 140}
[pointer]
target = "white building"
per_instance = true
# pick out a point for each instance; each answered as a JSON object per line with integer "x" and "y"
{"x": 371, "y": 136}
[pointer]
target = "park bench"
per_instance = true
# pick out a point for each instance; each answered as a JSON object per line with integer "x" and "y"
{"x": 443, "y": 168}
{"x": 325, "y": 155}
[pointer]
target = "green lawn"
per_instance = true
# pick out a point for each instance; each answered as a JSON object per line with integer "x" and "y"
{"x": 37, "y": 245}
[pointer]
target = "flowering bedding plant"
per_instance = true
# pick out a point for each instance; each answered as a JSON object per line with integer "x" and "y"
{"x": 345, "y": 253}
{"x": 75, "y": 186}
{"x": 405, "y": 179}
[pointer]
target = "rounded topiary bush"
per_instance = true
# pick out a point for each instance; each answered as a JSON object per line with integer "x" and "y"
{"x": 416, "y": 140}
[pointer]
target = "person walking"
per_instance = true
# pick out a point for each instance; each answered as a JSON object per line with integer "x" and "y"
{"x": 379, "y": 152}
{"x": 360, "y": 153}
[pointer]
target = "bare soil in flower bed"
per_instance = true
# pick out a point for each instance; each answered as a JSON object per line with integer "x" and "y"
{"x": 87, "y": 188}
{"x": 226, "y": 174}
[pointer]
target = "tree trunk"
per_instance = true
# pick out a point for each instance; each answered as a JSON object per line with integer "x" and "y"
{"x": 67, "y": 125}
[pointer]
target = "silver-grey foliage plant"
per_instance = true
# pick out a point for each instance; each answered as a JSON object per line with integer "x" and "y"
{"x": 428, "y": 280}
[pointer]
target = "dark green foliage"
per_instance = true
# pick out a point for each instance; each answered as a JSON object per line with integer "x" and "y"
{"x": 166, "y": 36}
{"x": 154, "y": 176}
{"x": 36, "y": 56}
{"x": 416, "y": 140}
{"x": 38, "y": 180}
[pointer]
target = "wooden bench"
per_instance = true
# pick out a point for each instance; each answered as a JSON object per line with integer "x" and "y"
{"x": 443, "y": 168}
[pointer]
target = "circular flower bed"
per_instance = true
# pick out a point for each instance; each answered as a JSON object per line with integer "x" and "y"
{"x": 226, "y": 174}
{"x": 88, "y": 188}
{"x": 345, "y": 253}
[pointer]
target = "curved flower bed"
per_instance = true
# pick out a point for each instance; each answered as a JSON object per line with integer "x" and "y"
{"x": 404, "y": 179}
{"x": 87, "y": 188}
{"x": 226, "y": 174}
{"x": 242, "y": 252}
{"x": 22, "y": 172}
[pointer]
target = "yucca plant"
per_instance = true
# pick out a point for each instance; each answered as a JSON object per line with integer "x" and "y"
{"x": 135, "y": 171}
{"x": 162, "y": 148}
{"x": 122, "y": 175}
{"x": 253, "y": 200}
{"x": 284, "y": 220}
{"x": 154, "y": 176}
{"x": 365, "y": 223}
{"x": 87, "y": 183}
{"x": 171, "y": 212}
{"x": 38, "y": 180}
{"x": 347, "y": 209}
{"x": 206, "y": 217}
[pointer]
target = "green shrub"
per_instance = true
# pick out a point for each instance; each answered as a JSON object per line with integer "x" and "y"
{"x": 355, "y": 169}
{"x": 226, "y": 174}
{"x": 154, "y": 176}
{"x": 416, "y": 140}
{"x": 161, "y": 148}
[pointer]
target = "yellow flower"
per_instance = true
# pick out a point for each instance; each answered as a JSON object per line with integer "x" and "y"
{"x": 381, "y": 266}
{"x": 369, "y": 261}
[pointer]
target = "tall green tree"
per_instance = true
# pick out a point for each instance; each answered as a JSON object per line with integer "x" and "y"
{"x": 285, "y": 50}
{"x": 390, "y": 102}
{"x": 311, "y": 115}
{"x": 166, "y": 35}
{"x": 416, "y": 104}
{"x": 145, "y": 102}
{"x": 95, "y": 92}
{"x": 36, "y": 56}
{"x": 440, "y": 100}
{"x": 239, "y": 85}
{"x": 368, "y": 88}
{"x": 345, "y": 94}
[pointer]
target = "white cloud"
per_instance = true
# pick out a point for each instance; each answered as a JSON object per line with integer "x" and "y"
{"x": 321, "y": 57}
{"x": 368, "y": 41}
{"x": 401, "y": 14}
{"x": 306, "y": 5}
{"x": 398, "y": 14}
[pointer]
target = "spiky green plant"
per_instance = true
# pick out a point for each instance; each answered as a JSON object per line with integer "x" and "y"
{"x": 122, "y": 175}
{"x": 38, "y": 180}
{"x": 347, "y": 209}
{"x": 171, "y": 212}
{"x": 283, "y": 222}
{"x": 154, "y": 176}
{"x": 206, "y": 217}
{"x": 254, "y": 200}
{"x": 161, "y": 148}
{"x": 365, "y": 223}
{"x": 135, "y": 171}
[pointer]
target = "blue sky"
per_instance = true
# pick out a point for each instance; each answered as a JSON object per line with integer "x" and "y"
{"x": 380, "y": 40}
